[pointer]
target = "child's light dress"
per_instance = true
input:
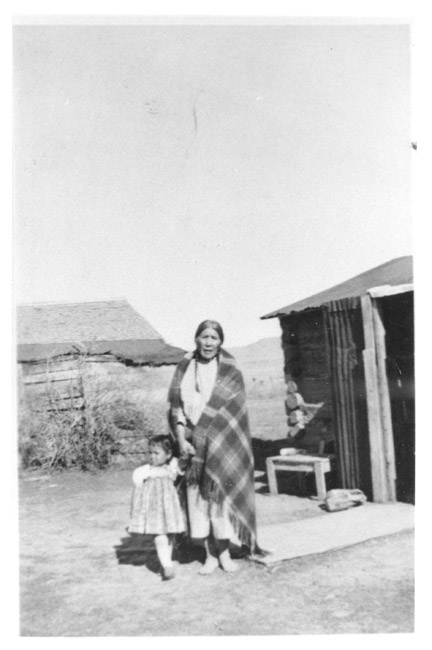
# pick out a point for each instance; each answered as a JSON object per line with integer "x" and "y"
{"x": 156, "y": 506}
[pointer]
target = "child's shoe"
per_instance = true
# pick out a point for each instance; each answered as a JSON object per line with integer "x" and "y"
{"x": 168, "y": 573}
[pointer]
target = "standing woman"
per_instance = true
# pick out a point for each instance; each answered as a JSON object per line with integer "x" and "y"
{"x": 209, "y": 419}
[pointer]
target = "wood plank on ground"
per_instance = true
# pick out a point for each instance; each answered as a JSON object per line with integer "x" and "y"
{"x": 333, "y": 530}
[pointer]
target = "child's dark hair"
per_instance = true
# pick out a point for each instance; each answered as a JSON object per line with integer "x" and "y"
{"x": 162, "y": 441}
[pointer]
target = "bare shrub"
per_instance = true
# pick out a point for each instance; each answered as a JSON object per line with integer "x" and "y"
{"x": 48, "y": 439}
{"x": 99, "y": 420}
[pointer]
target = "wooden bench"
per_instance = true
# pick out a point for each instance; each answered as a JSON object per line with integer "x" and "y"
{"x": 298, "y": 463}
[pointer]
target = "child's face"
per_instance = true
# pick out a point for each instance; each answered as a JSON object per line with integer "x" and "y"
{"x": 158, "y": 456}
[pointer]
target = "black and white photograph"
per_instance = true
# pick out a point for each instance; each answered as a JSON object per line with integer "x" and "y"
{"x": 214, "y": 332}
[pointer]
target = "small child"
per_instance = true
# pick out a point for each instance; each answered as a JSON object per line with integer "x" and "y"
{"x": 156, "y": 506}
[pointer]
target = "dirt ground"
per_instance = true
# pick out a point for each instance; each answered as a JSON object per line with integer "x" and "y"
{"x": 83, "y": 575}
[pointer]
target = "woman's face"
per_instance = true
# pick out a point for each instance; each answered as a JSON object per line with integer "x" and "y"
{"x": 208, "y": 343}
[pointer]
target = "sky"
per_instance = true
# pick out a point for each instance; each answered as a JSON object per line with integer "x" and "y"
{"x": 208, "y": 171}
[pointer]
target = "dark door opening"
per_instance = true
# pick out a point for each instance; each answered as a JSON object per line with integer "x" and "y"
{"x": 398, "y": 318}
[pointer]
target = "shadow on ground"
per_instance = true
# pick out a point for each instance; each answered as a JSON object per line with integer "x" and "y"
{"x": 139, "y": 550}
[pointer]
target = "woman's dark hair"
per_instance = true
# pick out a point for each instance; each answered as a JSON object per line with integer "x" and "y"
{"x": 214, "y": 325}
{"x": 162, "y": 441}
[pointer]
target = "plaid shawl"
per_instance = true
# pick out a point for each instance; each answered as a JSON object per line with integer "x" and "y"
{"x": 223, "y": 466}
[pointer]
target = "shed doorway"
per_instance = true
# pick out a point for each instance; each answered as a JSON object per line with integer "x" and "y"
{"x": 398, "y": 319}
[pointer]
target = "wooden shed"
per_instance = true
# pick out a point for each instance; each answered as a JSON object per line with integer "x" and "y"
{"x": 352, "y": 347}
{"x": 68, "y": 353}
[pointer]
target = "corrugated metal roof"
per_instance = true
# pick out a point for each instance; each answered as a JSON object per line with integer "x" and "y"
{"x": 104, "y": 327}
{"x": 395, "y": 272}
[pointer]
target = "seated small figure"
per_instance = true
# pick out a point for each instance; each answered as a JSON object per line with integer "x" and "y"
{"x": 299, "y": 412}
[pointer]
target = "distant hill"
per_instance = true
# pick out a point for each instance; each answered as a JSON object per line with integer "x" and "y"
{"x": 262, "y": 365}
{"x": 263, "y": 350}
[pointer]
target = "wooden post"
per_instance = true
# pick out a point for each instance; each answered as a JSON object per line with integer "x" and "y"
{"x": 320, "y": 481}
{"x": 378, "y": 403}
{"x": 271, "y": 476}
{"x": 377, "y": 453}
{"x": 384, "y": 400}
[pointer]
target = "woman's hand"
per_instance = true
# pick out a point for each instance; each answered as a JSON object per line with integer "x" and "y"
{"x": 186, "y": 448}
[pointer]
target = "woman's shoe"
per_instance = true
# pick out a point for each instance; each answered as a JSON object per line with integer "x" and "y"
{"x": 210, "y": 565}
{"x": 227, "y": 563}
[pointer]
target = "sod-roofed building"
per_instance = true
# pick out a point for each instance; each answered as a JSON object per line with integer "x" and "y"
{"x": 109, "y": 329}
{"x": 95, "y": 357}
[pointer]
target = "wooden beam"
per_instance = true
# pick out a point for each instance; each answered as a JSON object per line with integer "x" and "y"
{"x": 384, "y": 400}
{"x": 52, "y": 377}
{"x": 377, "y": 452}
